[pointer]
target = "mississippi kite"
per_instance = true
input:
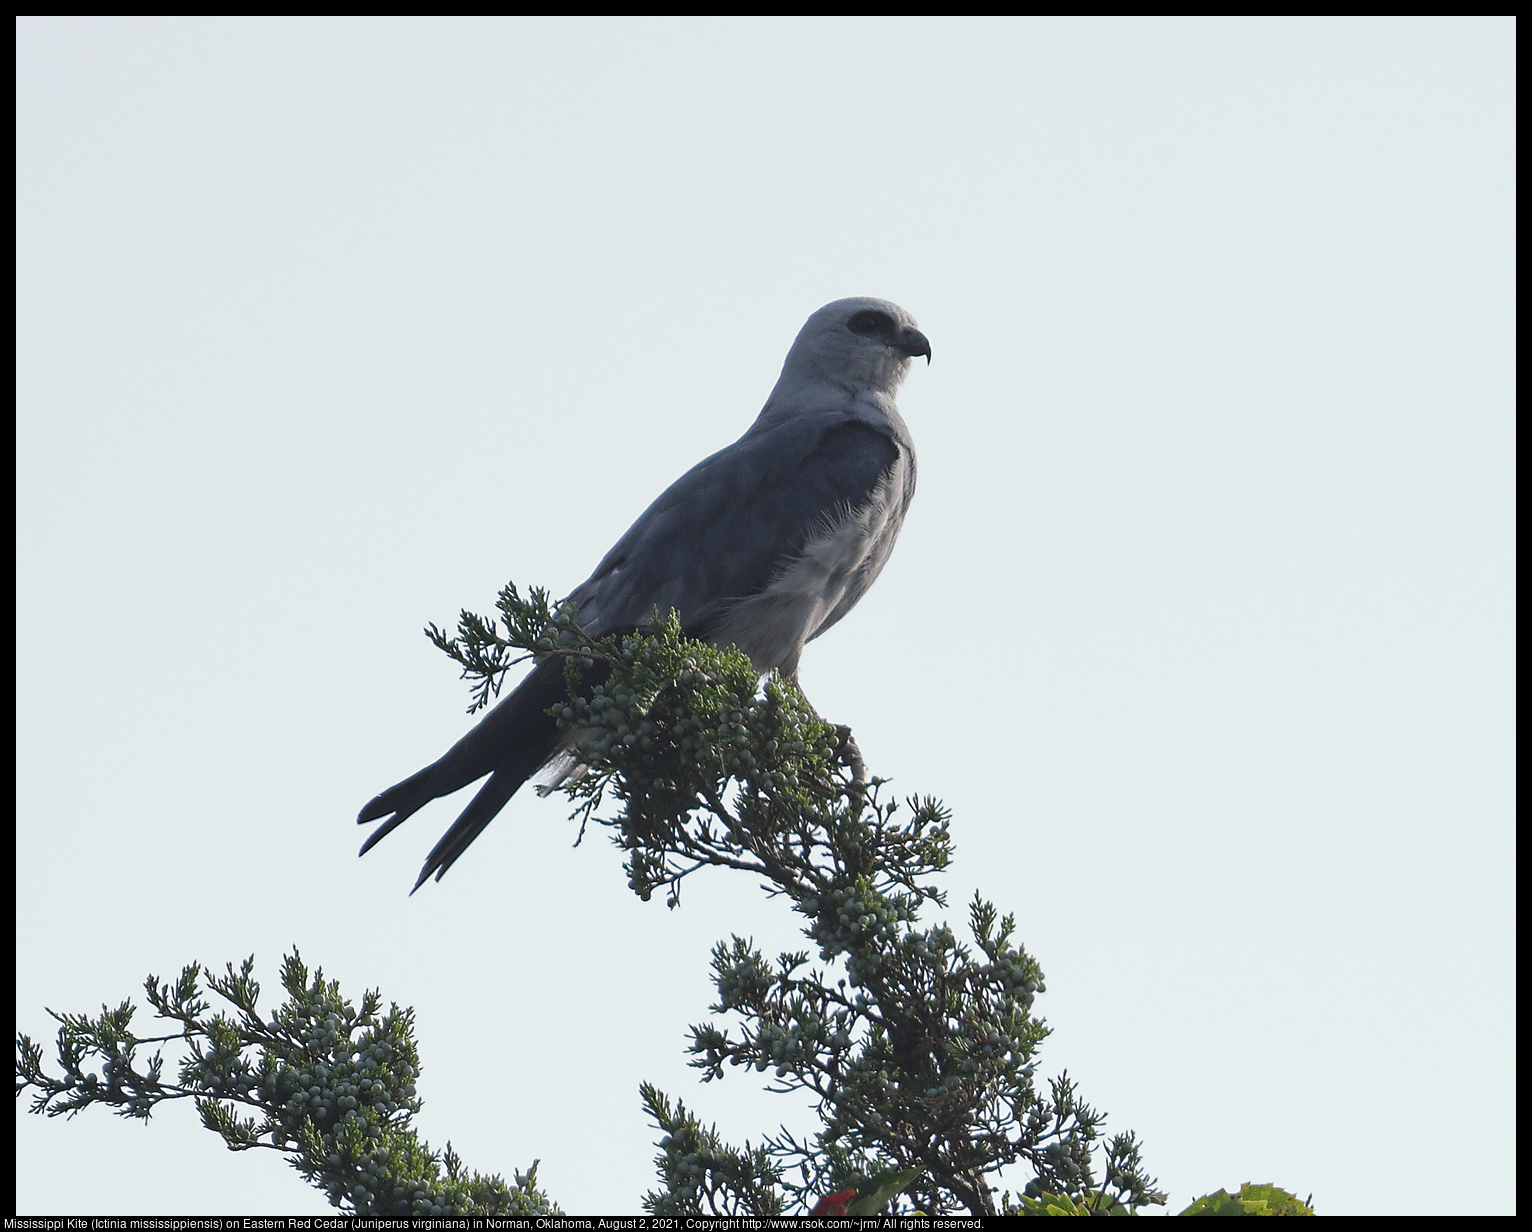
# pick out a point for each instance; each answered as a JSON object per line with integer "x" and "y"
{"x": 763, "y": 546}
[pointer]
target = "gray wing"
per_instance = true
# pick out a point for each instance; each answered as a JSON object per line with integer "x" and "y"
{"x": 721, "y": 532}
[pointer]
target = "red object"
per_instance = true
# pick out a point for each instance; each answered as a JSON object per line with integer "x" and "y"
{"x": 834, "y": 1204}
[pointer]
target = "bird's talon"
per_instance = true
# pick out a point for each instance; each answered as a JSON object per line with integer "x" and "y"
{"x": 849, "y": 755}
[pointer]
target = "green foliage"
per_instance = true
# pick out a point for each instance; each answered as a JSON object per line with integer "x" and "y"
{"x": 701, "y": 1174}
{"x": 485, "y": 654}
{"x": 330, "y": 1085}
{"x": 918, "y": 1047}
{"x": 1094, "y": 1203}
{"x": 1250, "y": 1200}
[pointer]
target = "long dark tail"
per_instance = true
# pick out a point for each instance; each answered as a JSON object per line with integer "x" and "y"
{"x": 509, "y": 744}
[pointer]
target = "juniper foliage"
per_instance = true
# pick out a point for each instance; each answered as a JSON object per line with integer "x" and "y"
{"x": 918, "y": 1047}
{"x": 331, "y": 1085}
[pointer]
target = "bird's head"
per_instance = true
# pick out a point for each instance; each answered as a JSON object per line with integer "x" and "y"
{"x": 859, "y": 343}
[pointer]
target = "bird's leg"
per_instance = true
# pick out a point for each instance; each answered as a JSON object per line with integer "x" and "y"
{"x": 846, "y": 752}
{"x": 849, "y": 755}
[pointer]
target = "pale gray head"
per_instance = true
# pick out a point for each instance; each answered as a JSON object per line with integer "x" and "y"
{"x": 858, "y": 343}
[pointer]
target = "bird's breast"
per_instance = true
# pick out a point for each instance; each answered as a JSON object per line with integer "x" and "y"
{"x": 813, "y": 588}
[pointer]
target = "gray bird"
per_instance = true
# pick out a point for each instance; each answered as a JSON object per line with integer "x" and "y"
{"x": 762, "y": 546}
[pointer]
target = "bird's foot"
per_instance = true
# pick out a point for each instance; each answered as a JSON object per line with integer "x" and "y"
{"x": 849, "y": 755}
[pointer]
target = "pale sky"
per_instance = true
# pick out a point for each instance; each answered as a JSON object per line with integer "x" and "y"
{"x": 1200, "y": 623}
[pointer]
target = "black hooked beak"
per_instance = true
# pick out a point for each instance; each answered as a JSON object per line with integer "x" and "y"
{"x": 912, "y": 342}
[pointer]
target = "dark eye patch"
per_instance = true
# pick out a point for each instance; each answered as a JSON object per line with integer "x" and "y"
{"x": 870, "y": 322}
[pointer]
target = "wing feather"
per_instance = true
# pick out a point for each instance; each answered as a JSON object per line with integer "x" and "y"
{"x": 720, "y": 532}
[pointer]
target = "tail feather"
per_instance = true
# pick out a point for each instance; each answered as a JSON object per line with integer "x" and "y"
{"x": 509, "y": 744}
{"x": 387, "y": 828}
{"x": 481, "y": 810}
{"x": 403, "y": 800}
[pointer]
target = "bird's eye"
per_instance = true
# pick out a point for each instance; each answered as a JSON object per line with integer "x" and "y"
{"x": 870, "y": 322}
